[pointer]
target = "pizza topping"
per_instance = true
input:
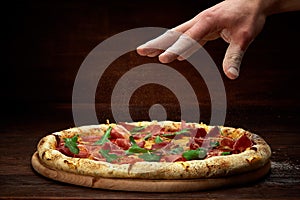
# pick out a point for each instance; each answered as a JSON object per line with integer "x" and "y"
{"x": 123, "y": 143}
{"x": 173, "y": 134}
{"x": 172, "y": 158}
{"x": 154, "y": 129}
{"x": 242, "y": 143}
{"x": 150, "y": 157}
{"x": 113, "y": 148}
{"x": 108, "y": 156}
{"x": 201, "y": 132}
{"x": 105, "y": 137}
{"x": 135, "y": 148}
{"x": 158, "y": 140}
{"x": 197, "y": 154}
{"x": 71, "y": 144}
{"x": 137, "y": 129}
{"x": 147, "y": 136}
{"x": 159, "y": 145}
{"x": 81, "y": 153}
{"x": 119, "y": 131}
{"x": 214, "y": 144}
{"x": 225, "y": 153}
{"x": 128, "y": 143}
{"x": 227, "y": 142}
{"x": 215, "y": 152}
{"x": 176, "y": 150}
{"x": 214, "y": 132}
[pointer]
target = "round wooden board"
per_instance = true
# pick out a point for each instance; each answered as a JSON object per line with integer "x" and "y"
{"x": 143, "y": 185}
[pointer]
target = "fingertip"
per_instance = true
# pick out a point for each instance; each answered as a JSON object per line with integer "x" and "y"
{"x": 232, "y": 73}
{"x": 167, "y": 57}
{"x": 151, "y": 52}
{"x": 232, "y": 60}
{"x": 163, "y": 59}
{"x": 141, "y": 50}
{"x": 180, "y": 58}
{"x": 154, "y": 53}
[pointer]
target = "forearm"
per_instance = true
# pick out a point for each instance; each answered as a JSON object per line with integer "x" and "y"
{"x": 280, "y": 6}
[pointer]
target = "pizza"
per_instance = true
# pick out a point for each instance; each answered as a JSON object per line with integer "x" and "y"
{"x": 153, "y": 150}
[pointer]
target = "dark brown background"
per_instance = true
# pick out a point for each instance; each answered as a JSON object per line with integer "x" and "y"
{"x": 45, "y": 42}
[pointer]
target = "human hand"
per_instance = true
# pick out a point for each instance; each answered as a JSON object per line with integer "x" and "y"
{"x": 238, "y": 22}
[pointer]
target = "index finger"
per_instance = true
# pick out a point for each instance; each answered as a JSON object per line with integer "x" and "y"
{"x": 202, "y": 27}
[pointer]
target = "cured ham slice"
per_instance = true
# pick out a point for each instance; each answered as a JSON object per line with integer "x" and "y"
{"x": 242, "y": 143}
{"x": 119, "y": 131}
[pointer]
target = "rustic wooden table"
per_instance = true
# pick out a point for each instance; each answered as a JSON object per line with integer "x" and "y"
{"x": 45, "y": 44}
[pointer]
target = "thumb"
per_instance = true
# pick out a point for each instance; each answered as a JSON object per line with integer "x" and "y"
{"x": 232, "y": 60}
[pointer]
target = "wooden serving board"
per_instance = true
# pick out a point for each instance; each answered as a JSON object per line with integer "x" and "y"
{"x": 143, "y": 185}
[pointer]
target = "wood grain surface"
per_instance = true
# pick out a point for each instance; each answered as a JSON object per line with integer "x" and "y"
{"x": 44, "y": 44}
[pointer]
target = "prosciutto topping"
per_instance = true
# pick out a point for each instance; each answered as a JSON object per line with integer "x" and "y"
{"x": 127, "y": 143}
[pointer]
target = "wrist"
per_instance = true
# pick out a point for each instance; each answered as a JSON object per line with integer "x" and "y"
{"x": 279, "y": 6}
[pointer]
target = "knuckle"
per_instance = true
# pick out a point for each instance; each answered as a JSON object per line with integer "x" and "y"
{"x": 246, "y": 36}
{"x": 235, "y": 57}
{"x": 207, "y": 17}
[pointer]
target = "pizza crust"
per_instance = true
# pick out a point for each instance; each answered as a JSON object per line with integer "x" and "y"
{"x": 218, "y": 166}
{"x": 148, "y": 185}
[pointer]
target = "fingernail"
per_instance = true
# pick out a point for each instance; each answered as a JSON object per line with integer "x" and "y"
{"x": 234, "y": 72}
{"x": 141, "y": 47}
{"x": 143, "y": 51}
{"x": 165, "y": 57}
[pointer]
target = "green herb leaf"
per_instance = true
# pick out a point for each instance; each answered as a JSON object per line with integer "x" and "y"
{"x": 158, "y": 140}
{"x": 137, "y": 129}
{"x": 148, "y": 136}
{"x": 105, "y": 137}
{"x": 109, "y": 157}
{"x": 175, "y": 133}
{"x": 176, "y": 151}
{"x": 225, "y": 153}
{"x": 197, "y": 154}
{"x": 132, "y": 141}
{"x": 150, "y": 157}
{"x": 182, "y": 131}
{"x": 214, "y": 144}
{"x": 168, "y": 134}
{"x": 135, "y": 148}
{"x": 71, "y": 144}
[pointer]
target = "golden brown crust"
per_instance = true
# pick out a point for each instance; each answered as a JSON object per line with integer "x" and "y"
{"x": 218, "y": 166}
{"x": 148, "y": 185}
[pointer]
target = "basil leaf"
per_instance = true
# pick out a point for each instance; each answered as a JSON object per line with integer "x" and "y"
{"x": 168, "y": 134}
{"x": 105, "y": 137}
{"x": 132, "y": 141}
{"x": 175, "y": 133}
{"x": 71, "y": 144}
{"x": 214, "y": 144}
{"x": 158, "y": 140}
{"x": 150, "y": 157}
{"x": 176, "y": 151}
{"x": 148, "y": 136}
{"x": 197, "y": 154}
{"x": 135, "y": 148}
{"x": 109, "y": 157}
{"x": 137, "y": 129}
{"x": 181, "y": 131}
{"x": 225, "y": 153}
